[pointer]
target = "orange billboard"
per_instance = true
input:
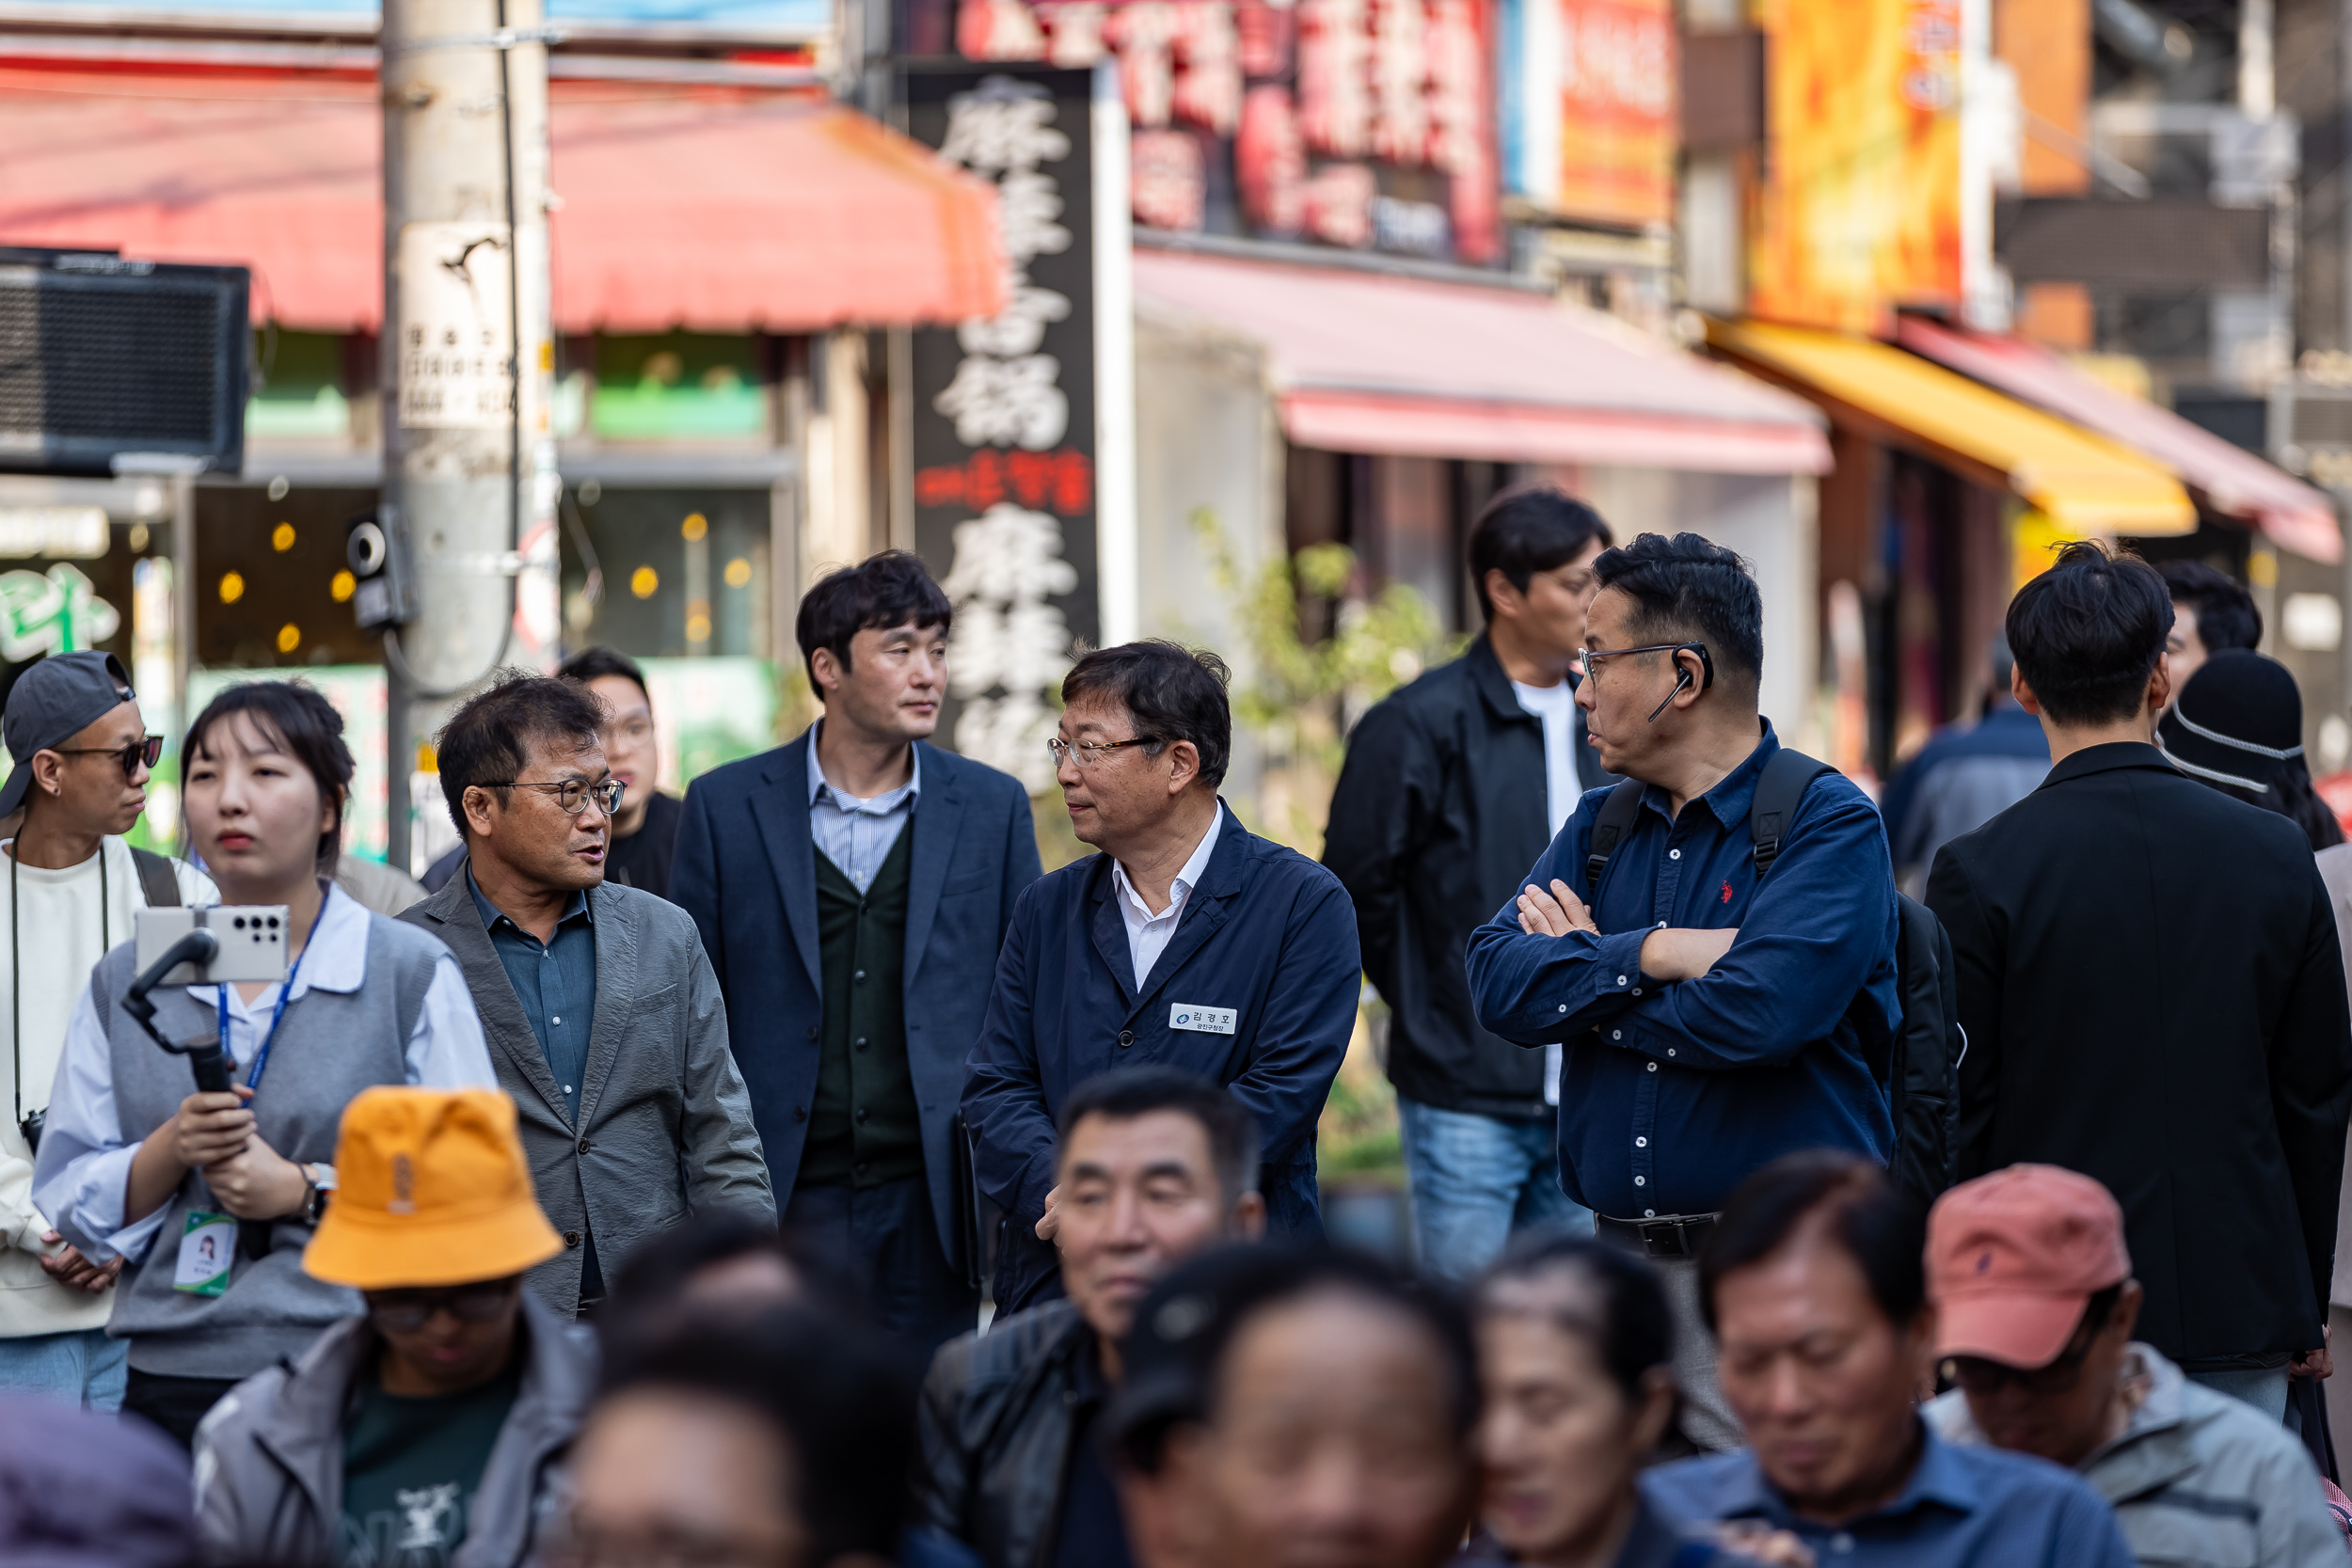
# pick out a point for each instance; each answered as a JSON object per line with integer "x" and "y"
{"x": 1616, "y": 107}
{"x": 1859, "y": 207}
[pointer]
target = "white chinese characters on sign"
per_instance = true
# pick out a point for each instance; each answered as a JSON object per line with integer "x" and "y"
{"x": 1011, "y": 642}
{"x": 457, "y": 327}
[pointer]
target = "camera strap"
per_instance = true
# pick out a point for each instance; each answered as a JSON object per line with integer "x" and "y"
{"x": 16, "y": 970}
{"x": 285, "y": 994}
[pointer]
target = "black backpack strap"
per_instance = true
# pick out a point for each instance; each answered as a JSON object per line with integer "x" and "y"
{"x": 1617, "y": 816}
{"x": 1783, "y": 784}
{"x": 158, "y": 882}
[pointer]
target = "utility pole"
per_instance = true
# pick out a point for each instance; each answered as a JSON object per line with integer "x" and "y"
{"x": 470, "y": 484}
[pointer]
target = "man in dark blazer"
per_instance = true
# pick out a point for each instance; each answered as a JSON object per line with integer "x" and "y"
{"x": 1188, "y": 941}
{"x": 601, "y": 1012}
{"x": 2154, "y": 996}
{"x": 1454, "y": 787}
{"x": 852, "y": 888}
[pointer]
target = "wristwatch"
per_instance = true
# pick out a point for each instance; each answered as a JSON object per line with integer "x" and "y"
{"x": 317, "y": 1181}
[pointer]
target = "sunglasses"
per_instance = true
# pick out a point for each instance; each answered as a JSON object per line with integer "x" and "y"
{"x": 138, "y": 754}
{"x": 406, "y": 1311}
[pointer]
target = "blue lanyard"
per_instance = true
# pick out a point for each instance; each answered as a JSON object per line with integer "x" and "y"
{"x": 260, "y": 1057}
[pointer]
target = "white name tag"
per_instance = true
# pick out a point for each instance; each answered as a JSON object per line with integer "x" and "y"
{"x": 1206, "y": 1020}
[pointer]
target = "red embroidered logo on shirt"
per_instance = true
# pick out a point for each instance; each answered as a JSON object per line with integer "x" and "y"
{"x": 1726, "y": 892}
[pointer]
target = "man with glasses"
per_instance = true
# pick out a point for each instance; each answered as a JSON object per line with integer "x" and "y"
{"x": 2035, "y": 1305}
{"x": 1452, "y": 786}
{"x": 1188, "y": 941}
{"x": 853, "y": 887}
{"x": 603, "y": 1015}
{"x": 427, "y": 1430}
{"x": 81, "y": 754}
{"x": 1715, "y": 1017}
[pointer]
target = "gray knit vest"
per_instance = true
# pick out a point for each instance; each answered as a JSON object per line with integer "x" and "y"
{"x": 329, "y": 1046}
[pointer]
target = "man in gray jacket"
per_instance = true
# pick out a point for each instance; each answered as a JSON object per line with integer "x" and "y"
{"x": 2035, "y": 1305}
{"x": 423, "y": 1434}
{"x": 603, "y": 1017}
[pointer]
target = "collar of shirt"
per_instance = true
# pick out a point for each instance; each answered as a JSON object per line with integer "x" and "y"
{"x": 492, "y": 916}
{"x": 1729, "y": 801}
{"x": 822, "y": 791}
{"x": 334, "y": 959}
{"x": 1130, "y": 902}
{"x": 1940, "y": 1477}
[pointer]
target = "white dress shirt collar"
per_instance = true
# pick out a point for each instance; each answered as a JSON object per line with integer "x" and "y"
{"x": 1148, "y": 934}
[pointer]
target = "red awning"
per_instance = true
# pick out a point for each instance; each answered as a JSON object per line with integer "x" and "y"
{"x": 709, "y": 210}
{"x": 1376, "y": 362}
{"x": 2232, "y": 480}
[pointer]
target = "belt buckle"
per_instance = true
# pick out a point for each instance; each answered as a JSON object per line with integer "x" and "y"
{"x": 1674, "y": 1229}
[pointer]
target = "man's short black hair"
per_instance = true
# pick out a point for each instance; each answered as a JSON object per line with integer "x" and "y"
{"x": 1188, "y": 1322}
{"x": 1173, "y": 692}
{"x": 1522, "y": 532}
{"x": 892, "y": 589}
{"x": 594, "y": 664}
{"x": 1125, "y": 1093}
{"x": 487, "y": 741}
{"x": 307, "y": 725}
{"x": 1689, "y": 588}
{"x": 1882, "y": 1230}
{"x": 2227, "y": 616}
{"x": 2087, "y": 632}
{"x": 836, "y": 1391}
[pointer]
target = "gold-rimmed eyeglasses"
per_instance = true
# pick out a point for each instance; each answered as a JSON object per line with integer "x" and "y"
{"x": 1088, "y": 752}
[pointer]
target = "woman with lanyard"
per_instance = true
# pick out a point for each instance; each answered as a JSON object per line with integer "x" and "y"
{"x": 210, "y": 1197}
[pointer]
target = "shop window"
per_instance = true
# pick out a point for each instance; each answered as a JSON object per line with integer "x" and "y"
{"x": 272, "y": 584}
{"x": 679, "y": 385}
{"x": 683, "y": 573}
{"x": 297, "y": 387}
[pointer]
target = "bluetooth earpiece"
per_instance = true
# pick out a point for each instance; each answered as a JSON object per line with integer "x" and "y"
{"x": 1682, "y": 684}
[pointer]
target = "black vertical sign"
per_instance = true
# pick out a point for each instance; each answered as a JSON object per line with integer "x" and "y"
{"x": 1004, "y": 411}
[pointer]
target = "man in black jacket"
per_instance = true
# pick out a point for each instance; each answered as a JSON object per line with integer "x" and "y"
{"x": 1154, "y": 1165}
{"x": 2207, "y": 1083}
{"x": 1452, "y": 789}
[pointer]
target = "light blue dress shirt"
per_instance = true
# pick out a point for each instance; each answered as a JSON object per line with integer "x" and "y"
{"x": 857, "y": 835}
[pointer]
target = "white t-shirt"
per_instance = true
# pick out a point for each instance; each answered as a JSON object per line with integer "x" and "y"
{"x": 1563, "y": 784}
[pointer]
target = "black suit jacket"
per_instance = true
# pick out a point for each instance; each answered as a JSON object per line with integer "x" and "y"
{"x": 2154, "y": 996}
{"x": 1438, "y": 814}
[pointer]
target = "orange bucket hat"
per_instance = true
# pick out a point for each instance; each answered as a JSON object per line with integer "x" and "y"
{"x": 431, "y": 1189}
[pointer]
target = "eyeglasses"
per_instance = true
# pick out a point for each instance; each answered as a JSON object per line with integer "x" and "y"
{"x": 1088, "y": 752}
{"x": 1591, "y": 657}
{"x": 573, "y": 795}
{"x": 406, "y": 1311}
{"x": 138, "y": 754}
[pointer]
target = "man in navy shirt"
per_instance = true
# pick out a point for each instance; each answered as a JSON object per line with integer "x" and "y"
{"x": 1816, "y": 1282}
{"x": 1189, "y": 941}
{"x": 1714, "y": 1020}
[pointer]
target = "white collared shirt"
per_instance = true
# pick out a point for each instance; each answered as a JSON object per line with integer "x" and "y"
{"x": 84, "y": 1168}
{"x": 857, "y": 834}
{"x": 1149, "y": 934}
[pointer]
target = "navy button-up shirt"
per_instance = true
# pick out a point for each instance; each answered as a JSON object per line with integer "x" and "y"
{"x": 556, "y": 982}
{"x": 1963, "y": 1508}
{"x": 1671, "y": 1094}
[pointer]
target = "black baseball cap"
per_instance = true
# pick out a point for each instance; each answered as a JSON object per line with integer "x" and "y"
{"x": 51, "y": 703}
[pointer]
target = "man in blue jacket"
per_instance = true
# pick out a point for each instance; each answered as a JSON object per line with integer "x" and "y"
{"x": 852, "y": 888}
{"x": 1188, "y": 941}
{"x": 1714, "y": 1019}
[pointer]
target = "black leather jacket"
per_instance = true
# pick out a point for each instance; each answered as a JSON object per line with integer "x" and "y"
{"x": 996, "y": 1418}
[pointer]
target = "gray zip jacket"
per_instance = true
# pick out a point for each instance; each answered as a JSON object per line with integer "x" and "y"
{"x": 269, "y": 1457}
{"x": 2198, "y": 1477}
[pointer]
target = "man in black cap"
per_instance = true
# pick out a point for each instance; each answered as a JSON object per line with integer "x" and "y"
{"x": 80, "y": 753}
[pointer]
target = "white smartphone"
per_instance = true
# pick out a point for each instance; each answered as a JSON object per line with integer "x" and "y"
{"x": 252, "y": 942}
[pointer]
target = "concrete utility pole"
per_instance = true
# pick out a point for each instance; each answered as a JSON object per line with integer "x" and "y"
{"x": 470, "y": 478}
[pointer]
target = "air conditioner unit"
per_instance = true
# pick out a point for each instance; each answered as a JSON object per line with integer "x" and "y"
{"x": 109, "y": 365}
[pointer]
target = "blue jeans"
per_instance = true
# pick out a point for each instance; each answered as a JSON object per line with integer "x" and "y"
{"x": 84, "y": 1367}
{"x": 1474, "y": 1181}
{"x": 2263, "y": 1387}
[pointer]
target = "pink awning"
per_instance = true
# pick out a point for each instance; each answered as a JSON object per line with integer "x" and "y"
{"x": 2232, "y": 480}
{"x": 1373, "y": 362}
{"x": 718, "y": 211}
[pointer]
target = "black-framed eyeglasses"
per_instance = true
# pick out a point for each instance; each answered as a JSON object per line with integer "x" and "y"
{"x": 573, "y": 795}
{"x": 406, "y": 1311}
{"x": 1088, "y": 752}
{"x": 138, "y": 754}
{"x": 1590, "y": 658}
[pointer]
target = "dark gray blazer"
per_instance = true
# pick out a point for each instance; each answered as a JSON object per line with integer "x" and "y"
{"x": 665, "y": 1123}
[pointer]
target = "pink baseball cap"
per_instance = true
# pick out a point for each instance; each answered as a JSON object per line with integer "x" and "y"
{"x": 2014, "y": 1256}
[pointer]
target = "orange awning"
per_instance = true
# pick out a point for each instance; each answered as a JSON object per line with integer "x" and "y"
{"x": 721, "y": 210}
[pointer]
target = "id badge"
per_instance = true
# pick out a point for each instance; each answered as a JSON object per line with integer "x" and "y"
{"x": 208, "y": 1245}
{"x": 1206, "y": 1020}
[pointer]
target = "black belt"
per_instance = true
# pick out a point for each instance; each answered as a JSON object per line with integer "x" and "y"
{"x": 1667, "y": 1236}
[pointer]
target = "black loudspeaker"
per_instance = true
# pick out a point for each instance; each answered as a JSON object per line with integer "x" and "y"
{"x": 384, "y": 575}
{"x": 108, "y": 365}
